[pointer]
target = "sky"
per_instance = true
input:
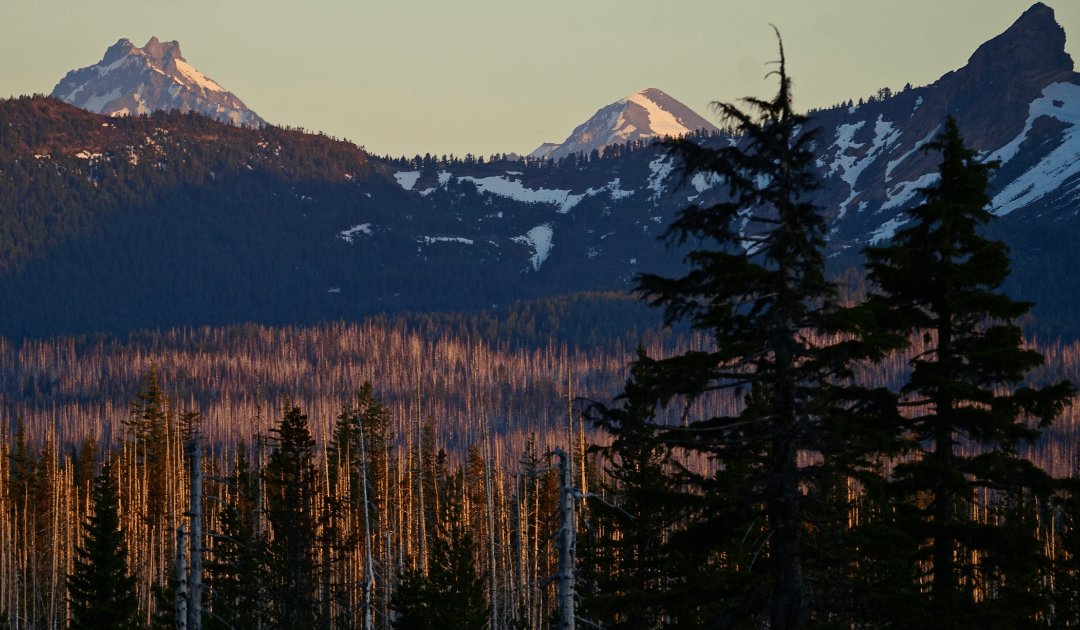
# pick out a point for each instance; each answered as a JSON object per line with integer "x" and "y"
{"x": 411, "y": 77}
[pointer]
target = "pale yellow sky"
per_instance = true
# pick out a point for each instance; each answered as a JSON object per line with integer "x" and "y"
{"x": 485, "y": 76}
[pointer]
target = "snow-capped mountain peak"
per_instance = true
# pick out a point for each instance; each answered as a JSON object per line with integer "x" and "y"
{"x": 131, "y": 81}
{"x": 650, "y": 113}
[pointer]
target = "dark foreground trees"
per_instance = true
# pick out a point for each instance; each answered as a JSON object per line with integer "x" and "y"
{"x": 836, "y": 505}
{"x": 451, "y": 595}
{"x": 291, "y": 560}
{"x": 101, "y": 592}
{"x": 940, "y": 280}
{"x": 757, "y": 284}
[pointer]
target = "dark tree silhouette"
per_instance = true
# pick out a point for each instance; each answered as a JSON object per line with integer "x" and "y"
{"x": 100, "y": 590}
{"x": 940, "y": 278}
{"x": 757, "y": 284}
{"x": 290, "y": 501}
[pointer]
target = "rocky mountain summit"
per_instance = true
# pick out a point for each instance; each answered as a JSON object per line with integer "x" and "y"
{"x": 650, "y": 113}
{"x": 129, "y": 81}
{"x": 1017, "y": 101}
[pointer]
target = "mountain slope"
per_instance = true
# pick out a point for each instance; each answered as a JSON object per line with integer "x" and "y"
{"x": 1017, "y": 100}
{"x": 129, "y": 81}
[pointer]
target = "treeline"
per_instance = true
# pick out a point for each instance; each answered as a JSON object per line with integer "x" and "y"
{"x": 573, "y": 160}
{"x": 516, "y": 364}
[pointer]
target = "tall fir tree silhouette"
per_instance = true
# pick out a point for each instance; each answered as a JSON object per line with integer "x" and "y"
{"x": 290, "y": 511}
{"x": 940, "y": 279}
{"x": 756, "y": 282}
{"x": 452, "y": 595}
{"x": 101, "y": 592}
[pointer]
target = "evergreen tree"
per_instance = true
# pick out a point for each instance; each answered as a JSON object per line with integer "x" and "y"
{"x": 629, "y": 577}
{"x": 101, "y": 593}
{"x": 940, "y": 278}
{"x": 148, "y": 429}
{"x": 451, "y": 597}
{"x": 290, "y": 501}
{"x": 760, "y": 291}
{"x": 349, "y": 527}
{"x": 235, "y": 570}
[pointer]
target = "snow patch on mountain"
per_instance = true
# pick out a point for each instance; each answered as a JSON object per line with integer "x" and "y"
{"x": 616, "y": 192}
{"x": 887, "y": 229}
{"x": 97, "y": 103}
{"x": 918, "y": 145}
{"x": 901, "y": 193}
{"x": 702, "y": 182}
{"x": 661, "y": 167}
{"x": 514, "y": 189}
{"x": 1054, "y": 169}
{"x": 349, "y": 234}
{"x": 884, "y": 137}
{"x": 1067, "y": 93}
{"x": 428, "y": 240}
{"x": 539, "y": 238}
{"x": 661, "y": 122}
{"x": 407, "y": 179}
{"x": 196, "y": 77}
{"x": 843, "y": 142}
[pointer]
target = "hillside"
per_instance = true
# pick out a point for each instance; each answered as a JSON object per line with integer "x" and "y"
{"x": 168, "y": 220}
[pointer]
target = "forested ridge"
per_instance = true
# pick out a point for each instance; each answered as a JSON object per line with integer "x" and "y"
{"x": 121, "y": 224}
{"x": 84, "y": 166}
{"x": 169, "y": 220}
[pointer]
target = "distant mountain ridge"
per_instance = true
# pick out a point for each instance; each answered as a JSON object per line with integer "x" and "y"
{"x": 129, "y": 81}
{"x": 650, "y": 113}
{"x": 115, "y": 224}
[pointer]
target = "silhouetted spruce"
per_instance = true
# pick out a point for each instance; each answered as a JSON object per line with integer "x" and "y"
{"x": 757, "y": 285}
{"x": 940, "y": 279}
{"x": 101, "y": 593}
{"x": 290, "y": 556}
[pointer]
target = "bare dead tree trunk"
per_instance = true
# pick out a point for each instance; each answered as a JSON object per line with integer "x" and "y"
{"x": 567, "y": 541}
{"x": 181, "y": 596}
{"x": 196, "y": 538}
{"x": 494, "y": 594}
{"x": 569, "y": 422}
{"x": 421, "y": 534}
{"x": 369, "y": 578}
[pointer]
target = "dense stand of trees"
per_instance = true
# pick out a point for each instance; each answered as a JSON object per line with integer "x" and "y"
{"x": 81, "y": 171}
{"x": 375, "y": 530}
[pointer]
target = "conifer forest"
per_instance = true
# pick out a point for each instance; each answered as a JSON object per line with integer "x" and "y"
{"x": 768, "y": 447}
